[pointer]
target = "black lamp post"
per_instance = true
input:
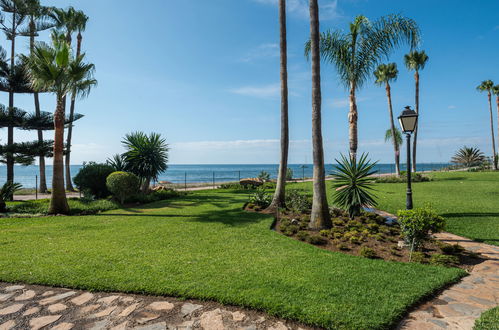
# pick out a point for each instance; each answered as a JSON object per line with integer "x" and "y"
{"x": 408, "y": 120}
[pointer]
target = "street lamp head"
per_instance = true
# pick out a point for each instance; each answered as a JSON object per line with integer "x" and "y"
{"x": 408, "y": 120}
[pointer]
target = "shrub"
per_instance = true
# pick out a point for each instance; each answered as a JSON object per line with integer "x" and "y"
{"x": 236, "y": 186}
{"x": 316, "y": 240}
{"x": 353, "y": 184}
{"x": 7, "y": 190}
{"x": 261, "y": 198}
{"x": 154, "y": 196}
{"x": 289, "y": 174}
{"x": 489, "y": 320}
{"x": 77, "y": 206}
{"x": 415, "y": 177}
{"x": 302, "y": 235}
{"x": 123, "y": 185}
{"x": 367, "y": 252}
{"x": 264, "y": 176}
{"x": 417, "y": 224}
{"x": 418, "y": 257}
{"x": 297, "y": 202}
{"x": 342, "y": 247}
{"x": 444, "y": 260}
{"x": 92, "y": 178}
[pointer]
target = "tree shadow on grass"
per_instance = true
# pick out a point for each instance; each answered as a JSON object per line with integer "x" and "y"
{"x": 471, "y": 214}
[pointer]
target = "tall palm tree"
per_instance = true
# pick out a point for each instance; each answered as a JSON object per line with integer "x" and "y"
{"x": 80, "y": 20}
{"x": 384, "y": 74}
{"x": 54, "y": 69}
{"x": 279, "y": 195}
{"x": 415, "y": 61}
{"x": 15, "y": 8}
{"x": 495, "y": 91}
{"x": 487, "y": 86}
{"x": 357, "y": 53}
{"x": 320, "y": 217}
{"x": 37, "y": 21}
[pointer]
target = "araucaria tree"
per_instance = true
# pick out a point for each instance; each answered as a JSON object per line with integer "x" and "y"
{"x": 486, "y": 86}
{"x": 54, "y": 69}
{"x": 415, "y": 61}
{"x": 320, "y": 217}
{"x": 357, "y": 53}
{"x": 384, "y": 74}
{"x": 279, "y": 195}
{"x": 145, "y": 156}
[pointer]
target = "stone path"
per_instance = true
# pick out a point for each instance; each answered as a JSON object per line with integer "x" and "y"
{"x": 39, "y": 307}
{"x": 461, "y": 304}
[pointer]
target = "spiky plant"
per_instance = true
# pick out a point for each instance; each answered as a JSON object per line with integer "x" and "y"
{"x": 468, "y": 156}
{"x": 354, "y": 185}
{"x": 7, "y": 190}
{"x": 118, "y": 162}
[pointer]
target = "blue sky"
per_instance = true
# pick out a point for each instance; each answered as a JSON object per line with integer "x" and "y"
{"x": 205, "y": 74}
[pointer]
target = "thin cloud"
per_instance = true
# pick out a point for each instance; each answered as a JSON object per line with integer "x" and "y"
{"x": 265, "y": 92}
{"x": 328, "y": 8}
{"x": 263, "y": 51}
{"x": 451, "y": 107}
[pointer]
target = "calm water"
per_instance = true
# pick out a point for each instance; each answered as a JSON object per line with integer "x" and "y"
{"x": 26, "y": 175}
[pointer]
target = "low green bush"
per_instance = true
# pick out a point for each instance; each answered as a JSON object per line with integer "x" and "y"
{"x": 297, "y": 201}
{"x": 316, "y": 240}
{"x": 302, "y": 235}
{"x": 489, "y": 320}
{"x": 289, "y": 174}
{"x": 367, "y": 252}
{"x": 123, "y": 185}
{"x": 417, "y": 224}
{"x": 261, "y": 198}
{"x": 444, "y": 260}
{"x": 418, "y": 257}
{"x": 154, "y": 196}
{"x": 415, "y": 177}
{"x": 76, "y": 206}
{"x": 91, "y": 178}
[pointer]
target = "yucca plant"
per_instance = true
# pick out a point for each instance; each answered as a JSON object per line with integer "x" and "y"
{"x": 468, "y": 156}
{"x": 353, "y": 183}
{"x": 7, "y": 190}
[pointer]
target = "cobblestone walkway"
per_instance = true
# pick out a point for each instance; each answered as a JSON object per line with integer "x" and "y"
{"x": 38, "y": 307}
{"x": 461, "y": 304}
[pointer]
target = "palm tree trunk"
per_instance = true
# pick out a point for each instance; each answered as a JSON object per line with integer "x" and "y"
{"x": 415, "y": 141}
{"x": 320, "y": 217}
{"x": 280, "y": 192}
{"x": 352, "y": 122}
{"x": 497, "y": 104}
{"x": 69, "y": 183}
{"x": 41, "y": 163}
{"x": 146, "y": 185}
{"x": 494, "y": 159}
{"x": 392, "y": 127}
{"x": 10, "y": 129}
{"x": 58, "y": 202}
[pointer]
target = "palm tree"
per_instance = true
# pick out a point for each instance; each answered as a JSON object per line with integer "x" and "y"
{"x": 487, "y": 86}
{"x": 357, "y": 53}
{"x": 468, "y": 157}
{"x": 37, "y": 20}
{"x": 415, "y": 61}
{"x": 384, "y": 74}
{"x": 320, "y": 217}
{"x": 279, "y": 195}
{"x": 495, "y": 91}
{"x": 146, "y": 156}
{"x": 80, "y": 22}
{"x": 397, "y": 141}
{"x": 54, "y": 69}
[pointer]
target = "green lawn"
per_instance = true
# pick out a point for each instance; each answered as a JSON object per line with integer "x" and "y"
{"x": 204, "y": 246}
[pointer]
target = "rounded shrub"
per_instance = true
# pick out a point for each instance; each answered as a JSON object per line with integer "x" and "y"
{"x": 91, "y": 178}
{"x": 123, "y": 185}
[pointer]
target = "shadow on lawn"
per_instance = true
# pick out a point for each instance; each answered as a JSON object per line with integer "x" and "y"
{"x": 471, "y": 214}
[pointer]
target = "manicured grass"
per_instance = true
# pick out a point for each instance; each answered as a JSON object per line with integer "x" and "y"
{"x": 469, "y": 202}
{"x": 488, "y": 320}
{"x": 204, "y": 246}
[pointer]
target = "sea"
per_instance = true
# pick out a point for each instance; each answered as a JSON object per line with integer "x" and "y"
{"x": 192, "y": 174}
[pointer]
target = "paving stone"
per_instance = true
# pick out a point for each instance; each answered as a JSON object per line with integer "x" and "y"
{"x": 127, "y": 299}
{"x": 40, "y": 322}
{"x": 8, "y": 325}
{"x": 189, "y": 308}
{"x": 129, "y": 310}
{"x": 187, "y": 325}
{"x": 212, "y": 320}
{"x": 249, "y": 327}
{"x": 14, "y": 308}
{"x": 482, "y": 301}
{"x": 161, "y": 306}
{"x": 14, "y": 288}
{"x": 278, "y": 326}
{"x": 63, "y": 326}
{"x": 465, "y": 309}
{"x": 440, "y": 323}
{"x": 47, "y": 293}
{"x": 99, "y": 325}
{"x": 57, "y": 308}
{"x": 89, "y": 308}
{"x": 478, "y": 280}
{"x": 108, "y": 300}
{"x": 82, "y": 299}
{"x": 6, "y": 296}
{"x": 156, "y": 326}
{"x": 144, "y": 317}
{"x": 31, "y": 311}
{"x": 238, "y": 316}
{"x": 29, "y": 294}
{"x": 53, "y": 299}
{"x": 105, "y": 312}
{"x": 121, "y": 326}
{"x": 261, "y": 319}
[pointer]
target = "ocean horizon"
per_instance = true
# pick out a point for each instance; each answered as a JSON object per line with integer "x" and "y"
{"x": 207, "y": 173}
